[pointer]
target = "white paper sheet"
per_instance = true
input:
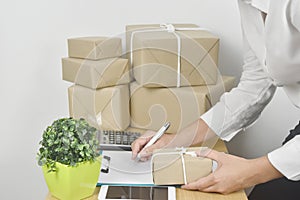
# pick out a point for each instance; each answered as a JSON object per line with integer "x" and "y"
{"x": 124, "y": 170}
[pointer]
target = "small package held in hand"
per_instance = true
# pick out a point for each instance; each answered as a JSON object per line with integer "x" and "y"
{"x": 179, "y": 166}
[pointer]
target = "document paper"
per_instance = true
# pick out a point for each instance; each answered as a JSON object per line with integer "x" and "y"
{"x": 122, "y": 170}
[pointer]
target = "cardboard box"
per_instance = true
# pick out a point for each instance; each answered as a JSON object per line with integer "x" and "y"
{"x": 94, "y": 48}
{"x": 96, "y": 74}
{"x": 152, "y": 107}
{"x": 106, "y": 108}
{"x": 155, "y": 57}
{"x": 167, "y": 166}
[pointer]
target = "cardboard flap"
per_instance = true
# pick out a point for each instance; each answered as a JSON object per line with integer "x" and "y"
{"x": 106, "y": 48}
{"x": 79, "y": 106}
{"x": 116, "y": 71}
{"x": 113, "y": 109}
{"x": 89, "y": 104}
{"x": 96, "y": 73}
{"x": 106, "y": 108}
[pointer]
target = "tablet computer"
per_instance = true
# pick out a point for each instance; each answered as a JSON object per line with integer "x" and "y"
{"x": 109, "y": 192}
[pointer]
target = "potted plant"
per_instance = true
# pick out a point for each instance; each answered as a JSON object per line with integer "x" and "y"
{"x": 69, "y": 158}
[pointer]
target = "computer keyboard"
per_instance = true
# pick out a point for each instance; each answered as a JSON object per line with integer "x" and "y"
{"x": 116, "y": 140}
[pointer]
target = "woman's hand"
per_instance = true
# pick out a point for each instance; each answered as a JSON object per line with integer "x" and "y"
{"x": 193, "y": 134}
{"x": 139, "y": 144}
{"x": 234, "y": 173}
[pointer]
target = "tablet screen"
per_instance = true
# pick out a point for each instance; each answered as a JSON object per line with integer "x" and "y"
{"x": 132, "y": 192}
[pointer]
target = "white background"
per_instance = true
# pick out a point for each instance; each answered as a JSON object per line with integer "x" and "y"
{"x": 33, "y": 36}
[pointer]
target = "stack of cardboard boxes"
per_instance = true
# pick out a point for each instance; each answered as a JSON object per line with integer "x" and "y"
{"x": 171, "y": 85}
{"x": 101, "y": 91}
{"x": 155, "y": 84}
{"x": 170, "y": 75}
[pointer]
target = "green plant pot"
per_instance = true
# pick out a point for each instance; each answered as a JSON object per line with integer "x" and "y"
{"x": 72, "y": 183}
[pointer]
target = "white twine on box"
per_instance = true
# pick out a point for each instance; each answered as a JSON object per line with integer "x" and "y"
{"x": 171, "y": 29}
{"x": 181, "y": 151}
{"x": 99, "y": 118}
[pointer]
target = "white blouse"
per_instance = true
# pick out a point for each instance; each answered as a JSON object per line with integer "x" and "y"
{"x": 271, "y": 59}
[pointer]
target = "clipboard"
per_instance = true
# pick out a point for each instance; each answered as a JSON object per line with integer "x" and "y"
{"x": 117, "y": 168}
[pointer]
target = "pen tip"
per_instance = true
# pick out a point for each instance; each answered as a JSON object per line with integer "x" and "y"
{"x": 168, "y": 124}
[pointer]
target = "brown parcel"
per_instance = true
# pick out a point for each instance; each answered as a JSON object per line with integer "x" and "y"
{"x": 94, "y": 48}
{"x": 106, "y": 108}
{"x": 96, "y": 74}
{"x": 151, "y": 107}
{"x": 167, "y": 167}
{"x": 155, "y": 56}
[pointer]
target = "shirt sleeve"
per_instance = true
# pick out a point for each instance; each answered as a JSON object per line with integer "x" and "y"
{"x": 240, "y": 107}
{"x": 295, "y": 14}
{"x": 286, "y": 159}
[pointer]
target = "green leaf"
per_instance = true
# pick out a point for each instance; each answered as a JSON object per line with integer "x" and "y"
{"x": 81, "y": 153}
{"x": 80, "y": 147}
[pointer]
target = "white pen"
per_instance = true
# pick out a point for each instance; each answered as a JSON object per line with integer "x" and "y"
{"x": 158, "y": 134}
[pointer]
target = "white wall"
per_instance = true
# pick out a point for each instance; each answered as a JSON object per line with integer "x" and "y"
{"x": 33, "y": 37}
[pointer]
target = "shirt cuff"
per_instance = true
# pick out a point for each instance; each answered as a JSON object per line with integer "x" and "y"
{"x": 215, "y": 118}
{"x": 286, "y": 159}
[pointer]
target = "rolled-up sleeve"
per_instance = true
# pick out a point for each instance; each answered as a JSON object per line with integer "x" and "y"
{"x": 241, "y": 106}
